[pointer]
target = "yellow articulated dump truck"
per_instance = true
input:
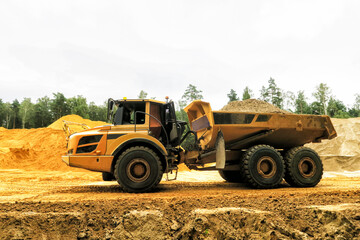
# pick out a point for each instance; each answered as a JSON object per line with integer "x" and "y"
{"x": 144, "y": 142}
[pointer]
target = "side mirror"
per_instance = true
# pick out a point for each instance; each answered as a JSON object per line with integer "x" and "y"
{"x": 167, "y": 116}
{"x": 170, "y": 115}
{"x": 111, "y": 104}
{"x": 110, "y": 109}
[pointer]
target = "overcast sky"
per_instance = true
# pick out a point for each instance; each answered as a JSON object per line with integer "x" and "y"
{"x": 102, "y": 49}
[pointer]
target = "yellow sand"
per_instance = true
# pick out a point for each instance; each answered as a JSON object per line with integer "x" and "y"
{"x": 58, "y": 124}
{"x": 37, "y": 149}
{"x": 342, "y": 152}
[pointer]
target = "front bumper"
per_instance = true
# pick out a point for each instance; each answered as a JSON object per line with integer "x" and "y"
{"x": 66, "y": 159}
{"x": 93, "y": 163}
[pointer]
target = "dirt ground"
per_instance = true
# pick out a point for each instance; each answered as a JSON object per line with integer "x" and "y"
{"x": 199, "y": 205}
{"x": 45, "y": 199}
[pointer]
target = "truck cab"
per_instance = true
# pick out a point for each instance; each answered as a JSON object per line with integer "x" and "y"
{"x": 139, "y": 146}
{"x": 157, "y": 117}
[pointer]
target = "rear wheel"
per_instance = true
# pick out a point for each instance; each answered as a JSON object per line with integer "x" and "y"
{"x": 231, "y": 176}
{"x": 303, "y": 167}
{"x": 108, "y": 176}
{"x": 138, "y": 169}
{"x": 262, "y": 167}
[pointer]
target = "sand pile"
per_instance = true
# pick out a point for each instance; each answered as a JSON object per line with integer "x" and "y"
{"x": 58, "y": 124}
{"x": 37, "y": 149}
{"x": 32, "y": 149}
{"x": 252, "y": 105}
{"x": 343, "y": 152}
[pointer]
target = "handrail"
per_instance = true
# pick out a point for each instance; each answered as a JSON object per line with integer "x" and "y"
{"x": 67, "y": 129}
{"x": 186, "y": 134}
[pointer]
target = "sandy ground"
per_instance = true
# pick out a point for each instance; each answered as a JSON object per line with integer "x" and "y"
{"x": 199, "y": 205}
{"x": 65, "y": 204}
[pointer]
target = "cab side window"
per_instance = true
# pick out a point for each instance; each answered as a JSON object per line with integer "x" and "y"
{"x": 126, "y": 112}
{"x": 137, "y": 109}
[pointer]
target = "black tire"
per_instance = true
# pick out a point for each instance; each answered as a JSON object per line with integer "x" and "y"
{"x": 138, "y": 169}
{"x": 262, "y": 167}
{"x": 108, "y": 176}
{"x": 231, "y": 176}
{"x": 303, "y": 167}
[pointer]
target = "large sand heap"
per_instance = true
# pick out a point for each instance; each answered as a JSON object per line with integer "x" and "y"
{"x": 37, "y": 149}
{"x": 32, "y": 149}
{"x": 342, "y": 152}
{"x": 252, "y": 105}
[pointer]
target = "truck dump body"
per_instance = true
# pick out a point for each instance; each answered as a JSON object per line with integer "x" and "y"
{"x": 243, "y": 129}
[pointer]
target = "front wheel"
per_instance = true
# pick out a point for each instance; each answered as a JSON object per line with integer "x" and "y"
{"x": 138, "y": 169}
{"x": 303, "y": 167}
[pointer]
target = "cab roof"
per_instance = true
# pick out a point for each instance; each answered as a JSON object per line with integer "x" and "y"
{"x": 139, "y": 100}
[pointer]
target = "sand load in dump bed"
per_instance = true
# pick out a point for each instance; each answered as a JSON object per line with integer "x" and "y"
{"x": 242, "y": 129}
{"x": 252, "y": 105}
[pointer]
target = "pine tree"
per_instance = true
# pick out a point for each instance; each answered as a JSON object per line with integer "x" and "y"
{"x": 233, "y": 96}
{"x": 301, "y": 106}
{"x": 191, "y": 94}
{"x": 247, "y": 93}
{"x": 272, "y": 94}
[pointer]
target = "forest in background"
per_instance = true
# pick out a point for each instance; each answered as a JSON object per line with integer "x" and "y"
{"x": 26, "y": 114}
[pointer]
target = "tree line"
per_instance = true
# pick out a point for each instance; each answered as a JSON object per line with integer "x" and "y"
{"x": 46, "y": 110}
{"x": 26, "y": 114}
{"x": 325, "y": 103}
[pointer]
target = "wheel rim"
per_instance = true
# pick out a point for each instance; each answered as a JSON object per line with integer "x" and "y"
{"x": 307, "y": 167}
{"x": 138, "y": 170}
{"x": 266, "y": 167}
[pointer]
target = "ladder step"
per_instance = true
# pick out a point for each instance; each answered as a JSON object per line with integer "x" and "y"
{"x": 175, "y": 168}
